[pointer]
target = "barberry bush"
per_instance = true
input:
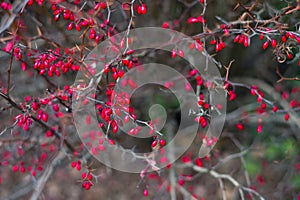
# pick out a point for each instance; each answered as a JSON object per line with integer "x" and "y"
{"x": 44, "y": 44}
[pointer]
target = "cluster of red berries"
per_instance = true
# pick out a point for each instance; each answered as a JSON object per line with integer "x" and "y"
{"x": 54, "y": 63}
{"x": 24, "y": 121}
{"x": 142, "y": 10}
{"x": 76, "y": 164}
{"x": 87, "y": 179}
{"x": 209, "y": 141}
{"x": 220, "y": 45}
{"x": 242, "y": 39}
{"x": 158, "y": 143}
{"x": 33, "y": 108}
{"x": 176, "y": 52}
{"x": 21, "y": 167}
{"x": 39, "y": 2}
{"x": 80, "y": 22}
{"x": 6, "y": 5}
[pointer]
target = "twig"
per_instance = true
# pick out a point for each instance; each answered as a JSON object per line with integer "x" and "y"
{"x": 186, "y": 194}
{"x": 222, "y": 188}
{"x": 282, "y": 78}
{"x": 40, "y": 184}
{"x": 8, "y": 128}
{"x": 9, "y": 71}
{"x": 228, "y": 178}
{"x": 56, "y": 134}
{"x": 227, "y": 69}
{"x": 230, "y": 157}
{"x": 271, "y": 91}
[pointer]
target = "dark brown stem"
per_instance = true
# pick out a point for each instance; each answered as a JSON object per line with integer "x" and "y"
{"x": 9, "y": 71}
{"x": 56, "y": 134}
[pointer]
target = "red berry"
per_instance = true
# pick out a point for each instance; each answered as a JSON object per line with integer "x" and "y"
{"x": 180, "y": 53}
{"x": 265, "y": 45}
{"x": 223, "y": 26}
{"x": 56, "y": 17}
{"x": 15, "y": 168}
{"x": 45, "y": 117}
{"x": 180, "y": 182}
{"x": 236, "y": 38}
{"x": 193, "y": 72}
{"x": 154, "y": 143}
{"x": 213, "y": 42}
{"x": 44, "y": 101}
{"x": 22, "y": 169}
{"x": 142, "y": 10}
{"x": 199, "y": 162}
{"x": 261, "y": 36}
{"x": 115, "y": 75}
{"x": 115, "y": 129}
{"x": 106, "y": 68}
{"x": 146, "y": 193}
{"x": 165, "y": 25}
{"x": 55, "y": 107}
{"x": 126, "y": 119}
{"x": 70, "y": 26}
{"x": 273, "y": 43}
{"x": 83, "y": 175}
{"x": 121, "y": 73}
{"x": 232, "y": 95}
{"x": 246, "y": 41}
{"x": 33, "y": 173}
{"x": 129, "y": 52}
{"x": 103, "y": 5}
{"x": 286, "y": 117}
{"x": 259, "y": 128}
{"x": 90, "y": 177}
{"x": 240, "y": 126}
{"x": 173, "y": 55}
{"x": 218, "y": 47}
{"x": 290, "y": 35}
{"x": 77, "y": 27}
{"x": 192, "y": 20}
{"x": 84, "y": 23}
{"x": 35, "y": 106}
{"x": 162, "y": 142}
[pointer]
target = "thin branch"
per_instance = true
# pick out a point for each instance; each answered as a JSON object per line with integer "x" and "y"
{"x": 282, "y": 78}
{"x": 227, "y": 69}
{"x": 9, "y": 71}
{"x": 41, "y": 182}
{"x": 9, "y": 128}
{"x": 56, "y": 134}
{"x": 230, "y": 157}
{"x": 222, "y": 188}
{"x": 186, "y": 194}
{"x": 228, "y": 178}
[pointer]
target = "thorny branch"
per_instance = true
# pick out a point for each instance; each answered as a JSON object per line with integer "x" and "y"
{"x": 57, "y": 135}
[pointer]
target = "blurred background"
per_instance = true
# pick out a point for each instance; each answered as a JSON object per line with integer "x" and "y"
{"x": 259, "y": 149}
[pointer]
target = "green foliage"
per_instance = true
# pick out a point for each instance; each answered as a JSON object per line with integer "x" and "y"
{"x": 296, "y": 182}
{"x": 285, "y": 149}
{"x": 252, "y": 165}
